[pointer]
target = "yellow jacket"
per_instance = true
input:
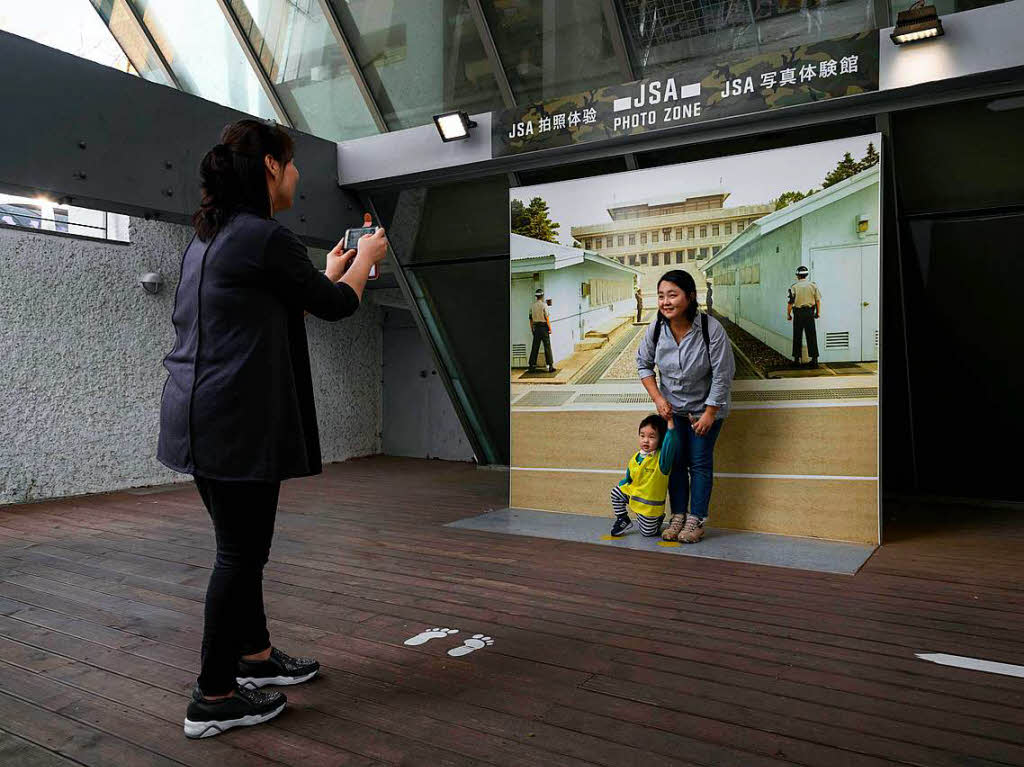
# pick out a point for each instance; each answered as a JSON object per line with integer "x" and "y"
{"x": 646, "y": 481}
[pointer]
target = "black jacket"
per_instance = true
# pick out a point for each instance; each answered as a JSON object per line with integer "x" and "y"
{"x": 238, "y": 401}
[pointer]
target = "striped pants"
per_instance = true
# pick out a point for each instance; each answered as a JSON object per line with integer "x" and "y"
{"x": 649, "y": 526}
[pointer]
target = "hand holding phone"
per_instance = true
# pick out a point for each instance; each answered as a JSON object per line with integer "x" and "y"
{"x": 351, "y": 242}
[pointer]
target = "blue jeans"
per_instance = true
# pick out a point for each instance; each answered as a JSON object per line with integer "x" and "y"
{"x": 689, "y": 484}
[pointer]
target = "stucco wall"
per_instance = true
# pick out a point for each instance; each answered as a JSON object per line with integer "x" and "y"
{"x": 80, "y": 374}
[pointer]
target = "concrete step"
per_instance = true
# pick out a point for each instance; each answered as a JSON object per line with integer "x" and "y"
{"x": 606, "y": 328}
{"x": 589, "y": 344}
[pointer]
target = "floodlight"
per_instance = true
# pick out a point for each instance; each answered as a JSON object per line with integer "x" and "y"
{"x": 919, "y": 22}
{"x": 453, "y": 125}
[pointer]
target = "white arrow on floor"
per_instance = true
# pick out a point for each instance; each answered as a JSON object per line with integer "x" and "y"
{"x": 974, "y": 664}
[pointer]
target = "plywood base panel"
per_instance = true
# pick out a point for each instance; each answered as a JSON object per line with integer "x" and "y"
{"x": 819, "y": 440}
{"x": 840, "y": 510}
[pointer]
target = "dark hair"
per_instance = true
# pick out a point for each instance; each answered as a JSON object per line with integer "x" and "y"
{"x": 233, "y": 174}
{"x": 659, "y": 424}
{"x": 684, "y": 281}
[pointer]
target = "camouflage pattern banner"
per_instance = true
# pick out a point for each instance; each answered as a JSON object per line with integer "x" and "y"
{"x": 806, "y": 73}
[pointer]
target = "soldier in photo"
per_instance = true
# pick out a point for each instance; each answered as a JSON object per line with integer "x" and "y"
{"x": 639, "y": 304}
{"x": 540, "y": 326}
{"x": 803, "y": 307}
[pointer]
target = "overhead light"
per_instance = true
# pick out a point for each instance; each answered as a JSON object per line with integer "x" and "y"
{"x": 453, "y": 125}
{"x": 919, "y": 22}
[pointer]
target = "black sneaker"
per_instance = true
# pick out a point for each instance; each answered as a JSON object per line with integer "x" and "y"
{"x": 206, "y": 718}
{"x": 280, "y": 668}
{"x": 622, "y": 524}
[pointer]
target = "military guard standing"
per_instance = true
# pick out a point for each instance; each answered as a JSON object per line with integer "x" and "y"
{"x": 802, "y": 309}
{"x": 639, "y": 295}
{"x": 540, "y": 326}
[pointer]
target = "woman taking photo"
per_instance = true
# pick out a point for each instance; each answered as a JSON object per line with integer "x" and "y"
{"x": 237, "y": 411}
{"x": 694, "y": 357}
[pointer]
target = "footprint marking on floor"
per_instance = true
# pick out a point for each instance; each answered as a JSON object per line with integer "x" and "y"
{"x": 476, "y": 642}
{"x": 426, "y": 636}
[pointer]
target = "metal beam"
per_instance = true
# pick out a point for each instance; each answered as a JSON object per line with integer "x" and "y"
{"x": 115, "y": 142}
{"x": 403, "y": 231}
{"x": 140, "y": 25}
{"x": 491, "y": 49}
{"x": 254, "y": 62}
{"x": 357, "y": 73}
{"x": 618, "y": 36}
{"x": 472, "y": 159}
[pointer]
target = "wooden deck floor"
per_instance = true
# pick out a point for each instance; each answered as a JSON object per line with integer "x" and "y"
{"x": 600, "y": 657}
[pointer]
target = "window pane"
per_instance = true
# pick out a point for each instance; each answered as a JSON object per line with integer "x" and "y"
{"x": 299, "y": 52}
{"x": 70, "y": 27}
{"x": 690, "y": 35}
{"x": 420, "y": 57}
{"x": 204, "y": 55}
{"x": 45, "y": 215}
{"x": 552, "y": 47}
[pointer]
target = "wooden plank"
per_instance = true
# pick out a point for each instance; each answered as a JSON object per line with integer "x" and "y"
{"x": 19, "y": 752}
{"x": 602, "y": 656}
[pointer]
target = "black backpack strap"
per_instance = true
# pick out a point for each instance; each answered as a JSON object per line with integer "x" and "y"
{"x": 654, "y": 346}
{"x": 707, "y": 345}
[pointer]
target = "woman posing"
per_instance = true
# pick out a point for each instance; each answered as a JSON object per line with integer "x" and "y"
{"x": 694, "y": 357}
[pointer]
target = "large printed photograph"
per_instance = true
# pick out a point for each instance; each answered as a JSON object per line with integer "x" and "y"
{"x": 738, "y": 295}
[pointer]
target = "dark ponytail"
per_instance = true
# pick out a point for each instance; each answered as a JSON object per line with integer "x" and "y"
{"x": 233, "y": 174}
{"x": 685, "y": 282}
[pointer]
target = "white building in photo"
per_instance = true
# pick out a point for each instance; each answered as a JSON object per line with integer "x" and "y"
{"x": 586, "y": 292}
{"x": 670, "y": 232}
{"x": 834, "y": 233}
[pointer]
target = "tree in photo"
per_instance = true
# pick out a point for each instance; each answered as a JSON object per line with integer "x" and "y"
{"x": 534, "y": 221}
{"x": 788, "y": 198}
{"x": 870, "y": 157}
{"x": 518, "y": 216}
{"x": 844, "y": 169}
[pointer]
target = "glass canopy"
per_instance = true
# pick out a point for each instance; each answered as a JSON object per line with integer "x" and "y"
{"x": 342, "y": 69}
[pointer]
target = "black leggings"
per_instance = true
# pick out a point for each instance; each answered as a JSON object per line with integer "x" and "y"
{"x": 235, "y": 623}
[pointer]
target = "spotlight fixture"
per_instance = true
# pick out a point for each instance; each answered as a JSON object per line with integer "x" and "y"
{"x": 918, "y": 22}
{"x": 453, "y": 125}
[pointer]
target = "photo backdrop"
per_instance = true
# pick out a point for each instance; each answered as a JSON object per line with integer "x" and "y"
{"x": 798, "y": 453}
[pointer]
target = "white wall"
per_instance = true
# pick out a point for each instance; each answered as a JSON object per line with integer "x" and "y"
{"x": 572, "y": 316}
{"x": 81, "y": 347}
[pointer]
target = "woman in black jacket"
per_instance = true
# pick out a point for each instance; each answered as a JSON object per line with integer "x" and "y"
{"x": 237, "y": 410}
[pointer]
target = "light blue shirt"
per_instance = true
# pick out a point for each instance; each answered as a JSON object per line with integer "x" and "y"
{"x": 689, "y": 380}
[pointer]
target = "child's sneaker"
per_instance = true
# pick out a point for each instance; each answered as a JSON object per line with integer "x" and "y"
{"x": 693, "y": 530}
{"x": 675, "y": 526}
{"x": 622, "y": 524}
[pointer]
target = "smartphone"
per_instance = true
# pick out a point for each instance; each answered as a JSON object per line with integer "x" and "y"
{"x": 352, "y": 243}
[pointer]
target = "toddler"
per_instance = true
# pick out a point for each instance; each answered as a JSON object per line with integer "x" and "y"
{"x": 646, "y": 483}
